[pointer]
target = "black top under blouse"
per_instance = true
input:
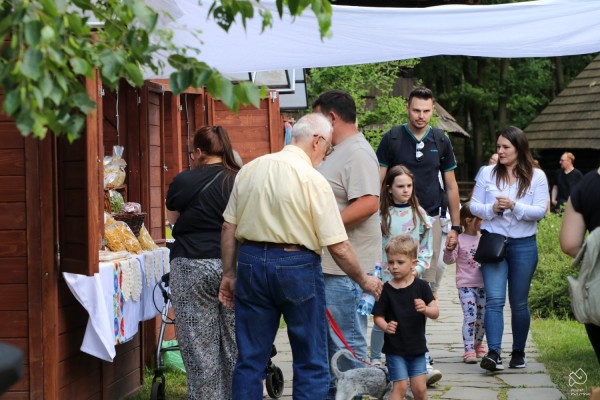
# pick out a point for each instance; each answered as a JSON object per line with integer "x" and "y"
{"x": 197, "y": 232}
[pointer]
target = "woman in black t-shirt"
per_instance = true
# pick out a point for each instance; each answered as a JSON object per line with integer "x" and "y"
{"x": 582, "y": 213}
{"x": 195, "y": 203}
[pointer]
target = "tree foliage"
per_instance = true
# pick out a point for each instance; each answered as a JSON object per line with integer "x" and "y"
{"x": 371, "y": 86}
{"x": 50, "y": 48}
{"x": 487, "y": 94}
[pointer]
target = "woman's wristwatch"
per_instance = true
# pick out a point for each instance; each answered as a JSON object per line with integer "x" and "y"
{"x": 456, "y": 228}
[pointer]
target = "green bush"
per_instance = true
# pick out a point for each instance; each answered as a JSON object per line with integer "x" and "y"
{"x": 549, "y": 295}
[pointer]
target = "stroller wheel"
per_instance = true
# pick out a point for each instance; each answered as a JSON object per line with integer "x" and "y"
{"x": 158, "y": 391}
{"x": 275, "y": 382}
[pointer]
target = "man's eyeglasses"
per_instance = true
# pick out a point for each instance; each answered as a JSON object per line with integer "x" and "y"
{"x": 329, "y": 145}
{"x": 419, "y": 153}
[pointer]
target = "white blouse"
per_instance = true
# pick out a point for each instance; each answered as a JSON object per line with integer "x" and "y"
{"x": 529, "y": 209}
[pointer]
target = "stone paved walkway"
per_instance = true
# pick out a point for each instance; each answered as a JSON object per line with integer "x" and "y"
{"x": 460, "y": 381}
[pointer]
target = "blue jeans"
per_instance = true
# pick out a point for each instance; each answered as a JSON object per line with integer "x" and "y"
{"x": 377, "y": 336}
{"x": 271, "y": 282}
{"x": 517, "y": 269}
{"x": 343, "y": 295}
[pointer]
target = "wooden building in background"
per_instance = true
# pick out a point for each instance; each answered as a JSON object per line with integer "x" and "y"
{"x": 571, "y": 122}
{"x": 51, "y": 221}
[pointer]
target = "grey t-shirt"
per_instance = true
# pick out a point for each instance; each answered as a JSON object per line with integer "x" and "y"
{"x": 352, "y": 170}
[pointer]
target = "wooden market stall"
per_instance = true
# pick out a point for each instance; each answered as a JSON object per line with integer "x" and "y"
{"x": 51, "y": 222}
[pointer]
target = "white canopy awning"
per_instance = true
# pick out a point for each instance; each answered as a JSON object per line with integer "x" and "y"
{"x": 541, "y": 28}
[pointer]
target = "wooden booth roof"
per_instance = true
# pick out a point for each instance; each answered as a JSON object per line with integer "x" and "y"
{"x": 447, "y": 122}
{"x": 572, "y": 119}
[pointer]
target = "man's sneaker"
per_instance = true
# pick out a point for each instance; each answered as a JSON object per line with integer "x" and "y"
{"x": 433, "y": 376}
{"x": 492, "y": 361}
{"x": 376, "y": 362}
{"x": 480, "y": 350}
{"x": 517, "y": 359}
{"x": 469, "y": 357}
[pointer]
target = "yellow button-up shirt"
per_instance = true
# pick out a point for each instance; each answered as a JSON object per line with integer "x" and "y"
{"x": 281, "y": 198}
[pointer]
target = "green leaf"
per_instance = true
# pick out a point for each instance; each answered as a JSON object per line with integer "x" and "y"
{"x": 134, "y": 74}
{"x": 110, "y": 66}
{"x": 56, "y": 56}
{"x": 81, "y": 66}
{"x": 145, "y": 15}
{"x": 31, "y": 66}
{"x": 62, "y": 82}
{"x": 226, "y": 92}
{"x": 247, "y": 93}
{"x": 39, "y": 125}
{"x": 203, "y": 76}
{"x": 279, "y": 4}
{"x": 184, "y": 78}
{"x": 32, "y": 30}
{"x": 12, "y": 102}
{"x": 83, "y": 102}
{"x": 5, "y": 25}
{"x": 47, "y": 34}
{"x": 267, "y": 19}
{"x": 83, "y": 4}
{"x": 56, "y": 96}
{"x": 75, "y": 23}
{"x": 293, "y": 6}
{"x": 24, "y": 122}
{"x": 173, "y": 83}
{"x": 75, "y": 125}
{"x": 39, "y": 98}
{"x": 51, "y": 6}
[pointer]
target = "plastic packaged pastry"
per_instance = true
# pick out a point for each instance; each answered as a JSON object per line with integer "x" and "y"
{"x": 119, "y": 237}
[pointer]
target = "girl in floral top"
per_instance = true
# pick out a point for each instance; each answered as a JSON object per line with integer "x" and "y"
{"x": 469, "y": 282}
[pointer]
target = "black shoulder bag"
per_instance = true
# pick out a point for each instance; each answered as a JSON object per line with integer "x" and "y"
{"x": 491, "y": 248}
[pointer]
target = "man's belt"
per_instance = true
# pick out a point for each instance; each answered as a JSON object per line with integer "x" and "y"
{"x": 271, "y": 245}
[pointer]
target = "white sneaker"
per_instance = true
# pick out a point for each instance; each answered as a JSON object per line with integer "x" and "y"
{"x": 433, "y": 376}
{"x": 376, "y": 362}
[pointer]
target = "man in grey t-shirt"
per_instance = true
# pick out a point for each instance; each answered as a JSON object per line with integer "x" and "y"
{"x": 353, "y": 172}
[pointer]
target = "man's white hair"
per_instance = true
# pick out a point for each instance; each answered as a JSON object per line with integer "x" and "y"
{"x": 312, "y": 124}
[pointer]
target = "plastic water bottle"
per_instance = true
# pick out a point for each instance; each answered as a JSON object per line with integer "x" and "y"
{"x": 367, "y": 300}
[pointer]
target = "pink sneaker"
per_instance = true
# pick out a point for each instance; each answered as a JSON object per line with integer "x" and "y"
{"x": 469, "y": 357}
{"x": 480, "y": 350}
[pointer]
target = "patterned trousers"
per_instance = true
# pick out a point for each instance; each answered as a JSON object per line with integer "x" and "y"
{"x": 205, "y": 328}
{"x": 472, "y": 301}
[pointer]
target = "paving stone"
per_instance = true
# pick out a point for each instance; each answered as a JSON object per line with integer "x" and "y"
{"x": 535, "y": 394}
{"x": 465, "y": 393}
{"x": 528, "y": 380}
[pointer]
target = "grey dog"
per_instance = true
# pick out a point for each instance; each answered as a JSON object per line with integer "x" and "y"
{"x": 354, "y": 382}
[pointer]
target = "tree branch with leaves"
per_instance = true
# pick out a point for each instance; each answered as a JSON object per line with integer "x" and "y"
{"x": 50, "y": 47}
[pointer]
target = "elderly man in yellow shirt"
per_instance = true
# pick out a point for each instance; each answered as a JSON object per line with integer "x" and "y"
{"x": 280, "y": 215}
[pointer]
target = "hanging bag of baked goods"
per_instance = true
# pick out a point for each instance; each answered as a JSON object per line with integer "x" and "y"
{"x": 114, "y": 168}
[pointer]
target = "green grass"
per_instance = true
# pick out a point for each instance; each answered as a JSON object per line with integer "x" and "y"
{"x": 175, "y": 385}
{"x": 564, "y": 348}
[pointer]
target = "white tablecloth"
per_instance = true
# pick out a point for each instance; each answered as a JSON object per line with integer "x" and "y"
{"x": 117, "y": 298}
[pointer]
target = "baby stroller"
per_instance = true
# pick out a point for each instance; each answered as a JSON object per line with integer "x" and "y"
{"x": 273, "y": 374}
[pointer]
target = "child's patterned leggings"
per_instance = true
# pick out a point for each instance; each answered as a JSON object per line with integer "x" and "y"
{"x": 472, "y": 301}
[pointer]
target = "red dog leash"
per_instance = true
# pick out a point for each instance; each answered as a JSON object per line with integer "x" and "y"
{"x": 340, "y": 335}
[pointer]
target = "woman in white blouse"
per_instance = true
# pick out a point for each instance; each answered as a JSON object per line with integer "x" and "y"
{"x": 511, "y": 197}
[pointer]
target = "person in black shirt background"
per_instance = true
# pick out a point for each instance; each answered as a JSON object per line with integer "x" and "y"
{"x": 195, "y": 203}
